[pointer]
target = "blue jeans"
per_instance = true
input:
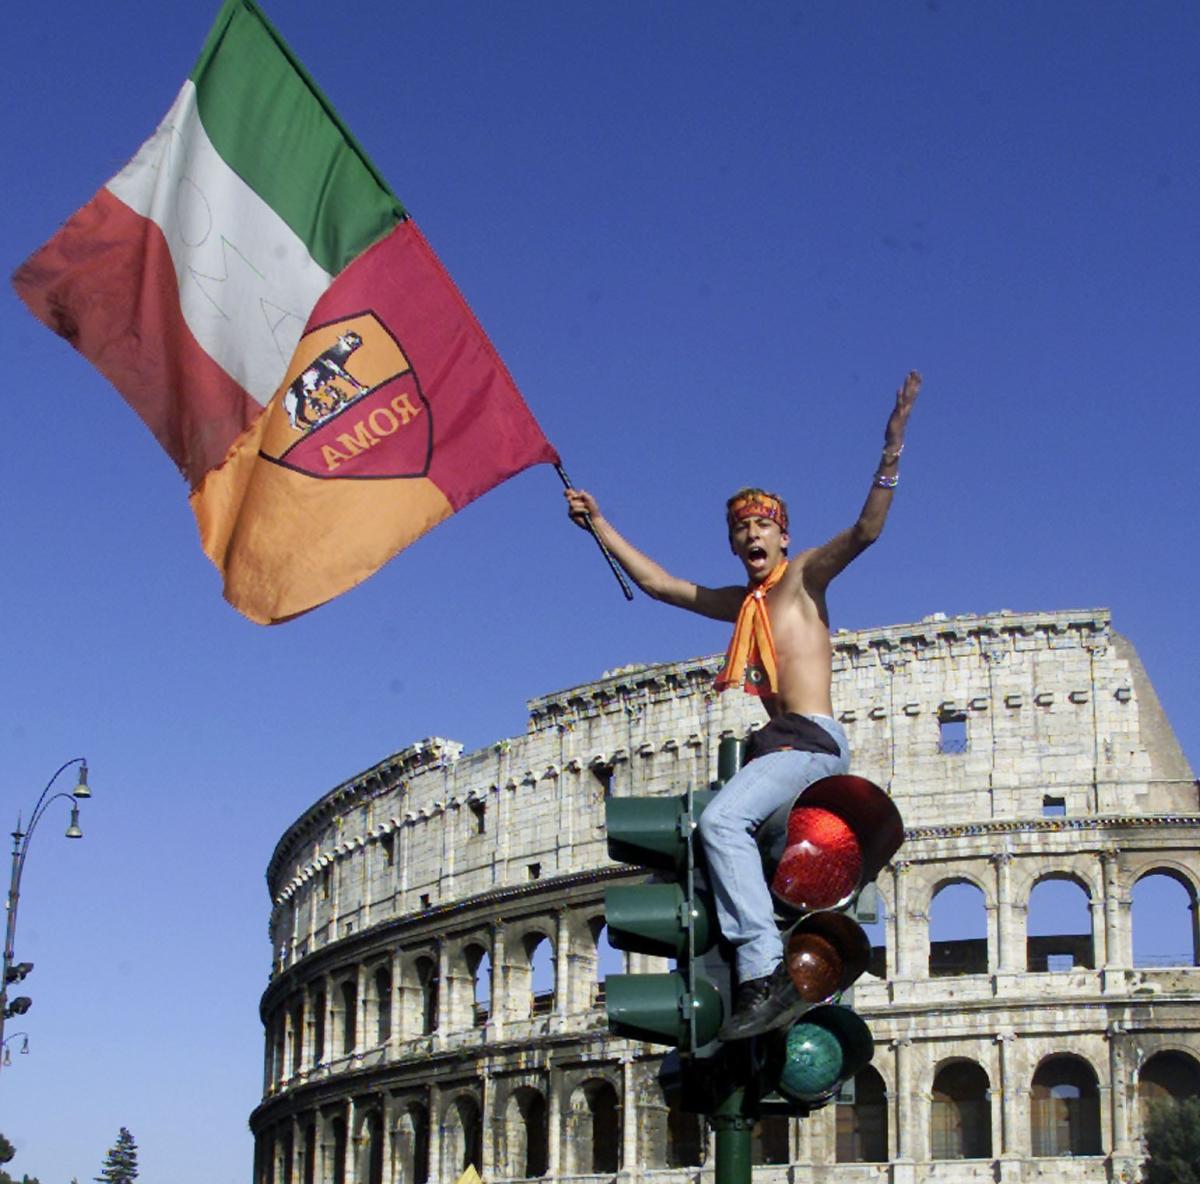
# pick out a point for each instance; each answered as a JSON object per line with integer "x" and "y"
{"x": 727, "y": 827}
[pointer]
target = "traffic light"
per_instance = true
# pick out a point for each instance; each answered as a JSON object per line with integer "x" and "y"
{"x": 22, "y": 1003}
{"x": 16, "y": 973}
{"x": 670, "y": 916}
{"x": 19, "y": 1006}
{"x": 819, "y": 852}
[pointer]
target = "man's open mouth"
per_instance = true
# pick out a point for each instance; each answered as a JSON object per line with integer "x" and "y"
{"x": 756, "y": 552}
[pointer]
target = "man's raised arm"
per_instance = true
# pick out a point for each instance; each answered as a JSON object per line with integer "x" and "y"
{"x": 657, "y": 583}
{"x": 826, "y": 561}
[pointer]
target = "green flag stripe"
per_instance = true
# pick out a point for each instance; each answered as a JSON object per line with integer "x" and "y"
{"x": 275, "y": 129}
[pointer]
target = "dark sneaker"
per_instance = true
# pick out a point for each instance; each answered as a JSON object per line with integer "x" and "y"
{"x": 762, "y": 1005}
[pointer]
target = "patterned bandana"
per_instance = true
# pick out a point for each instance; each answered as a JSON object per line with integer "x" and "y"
{"x": 757, "y": 505}
{"x": 750, "y": 659}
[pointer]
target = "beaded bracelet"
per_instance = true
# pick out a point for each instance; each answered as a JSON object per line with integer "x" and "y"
{"x": 884, "y": 482}
{"x": 890, "y": 458}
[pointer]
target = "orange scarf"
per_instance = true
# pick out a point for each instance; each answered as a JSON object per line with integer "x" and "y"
{"x": 750, "y": 659}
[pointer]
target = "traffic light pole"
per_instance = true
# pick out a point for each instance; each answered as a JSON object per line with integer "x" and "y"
{"x": 12, "y": 972}
{"x": 733, "y": 1127}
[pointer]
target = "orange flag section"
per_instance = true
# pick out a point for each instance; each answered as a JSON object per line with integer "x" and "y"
{"x": 287, "y": 543}
{"x": 394, "y": 412}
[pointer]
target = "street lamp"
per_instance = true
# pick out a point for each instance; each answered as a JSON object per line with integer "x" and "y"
{"x": 7, "y": 1058}
{"x": 15, "y": 971}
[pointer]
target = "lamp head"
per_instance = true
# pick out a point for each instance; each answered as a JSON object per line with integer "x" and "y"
{"x": 82, "y": 790}
{"x": 73, "y": 831}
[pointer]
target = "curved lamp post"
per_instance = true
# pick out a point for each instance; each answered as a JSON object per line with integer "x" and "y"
{"x": 15, "y": 971}
{"x": 7, "y": 1057}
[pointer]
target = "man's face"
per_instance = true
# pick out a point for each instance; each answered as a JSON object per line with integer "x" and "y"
{"x": 759, "y": 544}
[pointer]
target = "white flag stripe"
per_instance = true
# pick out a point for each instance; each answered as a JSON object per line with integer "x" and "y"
{"x": 246, "y": 280}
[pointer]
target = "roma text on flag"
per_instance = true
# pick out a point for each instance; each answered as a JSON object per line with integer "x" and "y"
{"x": 256, "y": 292}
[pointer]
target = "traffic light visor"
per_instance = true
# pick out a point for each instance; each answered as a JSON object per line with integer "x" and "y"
{"x": 653, "y": 919}
{"x": 655, "y": 1007}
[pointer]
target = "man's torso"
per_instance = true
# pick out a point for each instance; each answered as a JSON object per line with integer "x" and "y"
{"x": 803, "y": 649}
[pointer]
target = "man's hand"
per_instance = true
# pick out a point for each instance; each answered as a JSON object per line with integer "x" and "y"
{"x": 581, "y": 505}
{"x": 906, "y": 397}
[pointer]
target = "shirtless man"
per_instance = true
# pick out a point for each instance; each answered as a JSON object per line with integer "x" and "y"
{"x": 781, "y": 651}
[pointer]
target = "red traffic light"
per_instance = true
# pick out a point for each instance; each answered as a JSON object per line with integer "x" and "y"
{"x": 833, "y": 838}
{"x": 822, "y": 862}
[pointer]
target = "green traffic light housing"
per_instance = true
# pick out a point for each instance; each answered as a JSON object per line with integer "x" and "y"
{"x": 653, "y": 832}
{"x": 669, "y": 917}
{"x": 655, "y": 919}
{"x": 663, "y": 1008}
{"x": 829, "y": 1045}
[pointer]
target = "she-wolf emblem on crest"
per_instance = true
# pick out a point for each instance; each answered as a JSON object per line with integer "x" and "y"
{"x": 325, "y": 386}
{"x": 352, "y": 405}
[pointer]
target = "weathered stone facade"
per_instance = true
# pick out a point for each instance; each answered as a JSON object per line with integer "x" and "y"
{"x": 1022, "y": 749}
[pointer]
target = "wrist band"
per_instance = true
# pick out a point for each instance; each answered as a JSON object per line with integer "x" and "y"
{"x": 882, "y": 482}
{"x": 890, "y": 458}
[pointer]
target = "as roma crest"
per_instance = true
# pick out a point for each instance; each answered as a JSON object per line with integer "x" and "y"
{"x": 350, "y": 406}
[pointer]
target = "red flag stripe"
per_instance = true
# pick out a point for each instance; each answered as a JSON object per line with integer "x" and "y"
{"x": 106, "y": 283}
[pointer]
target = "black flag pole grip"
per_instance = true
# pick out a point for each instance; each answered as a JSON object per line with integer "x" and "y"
{"x": 587, "y": 521}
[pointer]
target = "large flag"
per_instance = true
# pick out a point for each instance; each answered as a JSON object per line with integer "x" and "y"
{"x": 255, "y": 291}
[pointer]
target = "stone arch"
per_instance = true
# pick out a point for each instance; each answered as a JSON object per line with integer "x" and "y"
{"x": 339, "y": 1148}
{"x": 1168, "y": 1076}
{"x": 460, "y": 992}
{"x": 296, "y": 1018}
{"x": 420, "y": 994}
{"x": 1059, "y": 924}
{"x": 960, "y": 1117}
{"x": 1163, "y": 918}
{"x": 1064, "y": 1107}
{"x": 531, "y": 978}
{"x": 542, "y": 972}
{"x": 958, "y": 941}
{"x": 862, "y": 1126}
{"x": 605, "y": 958}
{"x": 347, "y": 996}
{"x": 876, "y": 929}
{"x": 318, "y": 1011}
{"x": 462, "y": 1136}
{"x": 410, "y": 1144}
{"x": 683, "y": 1134}
{"x": 594, "y": 1129}
{"x": 526, "y": 1134}
{"x": 771, "y": 1143}
{"x": 308, "y": 1172}
{"x": 276, "y": 1070}
{"x": 285, "y": 1145}
{"x": 484, "y": 985}
{"x": 381, "y": 1003}
{"x": 309, "y": 1149}
{"x": 368, "y": 1146}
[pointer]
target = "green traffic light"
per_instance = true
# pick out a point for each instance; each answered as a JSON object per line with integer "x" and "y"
{"x": 828, "y": 1046}
{"x": 813, "y": 1062}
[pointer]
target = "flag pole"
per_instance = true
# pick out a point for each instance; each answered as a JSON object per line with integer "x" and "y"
{"x": 587, "y": 521}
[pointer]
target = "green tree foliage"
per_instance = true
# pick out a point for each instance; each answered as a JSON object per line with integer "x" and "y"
{"x": 120, "y": 1164}
{"x": 7, "y": 1151}
{"x": 1173, "y": 1142}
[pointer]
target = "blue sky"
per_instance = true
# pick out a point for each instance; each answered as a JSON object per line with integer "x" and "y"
{"x": 709, "y": 240}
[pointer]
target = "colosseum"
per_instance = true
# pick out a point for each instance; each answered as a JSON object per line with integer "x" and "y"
{"x": 439, "y": 949}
